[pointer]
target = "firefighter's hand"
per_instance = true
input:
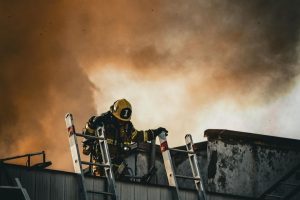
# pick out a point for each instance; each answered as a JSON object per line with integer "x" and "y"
{"x": 159, "y": 131}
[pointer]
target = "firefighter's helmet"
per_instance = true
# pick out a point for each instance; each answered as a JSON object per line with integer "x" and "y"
{"x": 121, "y": 109}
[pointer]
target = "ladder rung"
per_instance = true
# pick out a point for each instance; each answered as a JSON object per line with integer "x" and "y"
{"x": 104, "y": 193}
{"x": 187, "y": 177}
{"x": 89, "y": 136}
{"x": 134, "y": 177}
{"x": 183, "y": 151}
{"x": 275, "y": 196}
{"x": 96, "y": 164}
{"x": 289, "y": 184}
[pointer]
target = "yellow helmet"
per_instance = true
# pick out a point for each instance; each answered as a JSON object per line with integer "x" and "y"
{"x": 121, "y": 109}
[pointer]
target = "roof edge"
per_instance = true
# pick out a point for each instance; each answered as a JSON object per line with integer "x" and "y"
{"x": 251, "y": 137}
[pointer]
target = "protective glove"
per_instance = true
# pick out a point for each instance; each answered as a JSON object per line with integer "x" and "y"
{"x": 121, "y": 168}
{"x": 159, "y": 130}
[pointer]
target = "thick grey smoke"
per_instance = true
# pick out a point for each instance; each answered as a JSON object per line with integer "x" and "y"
{"x": 242, "y": 50}
{"x": 238, "y": 48}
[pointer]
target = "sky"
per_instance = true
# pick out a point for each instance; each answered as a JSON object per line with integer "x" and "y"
{"x": 187, "y": 66}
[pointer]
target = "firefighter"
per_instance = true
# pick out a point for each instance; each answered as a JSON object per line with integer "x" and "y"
{"x": 119, "y": 132}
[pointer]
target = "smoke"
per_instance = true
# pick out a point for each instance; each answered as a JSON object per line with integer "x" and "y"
{"x": 246, "y": 50}
{"x": 194, "y": 65}
{"x": 40, "y": 81}
{"x": 178, "y": 62}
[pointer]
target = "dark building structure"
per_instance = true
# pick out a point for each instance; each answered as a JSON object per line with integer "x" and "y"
{"x": 239, "y": 165}
{"x": 234, "y": 166}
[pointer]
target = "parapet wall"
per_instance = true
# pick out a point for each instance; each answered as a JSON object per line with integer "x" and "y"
{"x": 247, "y": 164}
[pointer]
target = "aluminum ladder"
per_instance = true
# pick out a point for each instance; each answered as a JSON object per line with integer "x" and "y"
{"x": 172, "y": 177}
{"x": 77, "y": 162}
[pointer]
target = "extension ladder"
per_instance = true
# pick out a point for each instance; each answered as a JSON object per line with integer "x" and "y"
{"x": 193, "y": 162}
{"x": 77, "y": 162}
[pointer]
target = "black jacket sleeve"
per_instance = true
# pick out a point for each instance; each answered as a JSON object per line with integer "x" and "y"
{"x": 141, "y": 136}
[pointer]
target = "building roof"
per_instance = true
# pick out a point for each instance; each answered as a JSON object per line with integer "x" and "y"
{"x": 49, "y": 184}
{"x": 238, "y": 136}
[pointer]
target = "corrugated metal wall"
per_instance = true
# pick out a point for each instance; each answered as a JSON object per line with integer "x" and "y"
{"x": 56, "y": 185}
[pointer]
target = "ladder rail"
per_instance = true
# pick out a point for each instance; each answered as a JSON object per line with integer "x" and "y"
{"x": 106, "y": 161}
{"x": 24, "y": 191}
{"x": 192, "y": 156}
{"x": 75, "y": 154}
{"x": 95, "y": 164}
{"x": 194, "y": 165}
{"x": 77, "y": 162}
{"x": 168, "y": 162}
{"x": 89, "y": 136}
{"x": 187, "y": 177}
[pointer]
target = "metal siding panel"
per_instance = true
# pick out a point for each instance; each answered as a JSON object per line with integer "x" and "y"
{"x": 2, "y": 176}
{"x": 14, "y": 173}
{"x": 89, "y": 184}
{"x": 153, "y": 193}
{"x": 118, "y": 190}
{"x": 127, "y": 191}
{"x": 57, "y": 186}
{"x": 189, "y": 195}
{"x": 61, "y": 186}
{"x": 9, "y": 175}
{"x": 99, "y": 185}
{"x": 182, "y": 194}
{"x": 71, "y": 187}
{"x": 174, "y": 193}
{"x": 42, "y": 188}
{"x": 165, "y": 194}
{"x": 140, "y": 192}
{"x": 28, "y": 182}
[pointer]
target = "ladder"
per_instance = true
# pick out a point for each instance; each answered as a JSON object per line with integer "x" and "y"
{"x": 193, "y": 162}
{"x": 9, "y": 191}
{"x": 286, "y": 187}
{"x": 77, "y": 162}
{"x": 14, "y": 192}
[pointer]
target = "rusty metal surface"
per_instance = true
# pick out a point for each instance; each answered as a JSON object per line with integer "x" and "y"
{"x": 246, "y": 165}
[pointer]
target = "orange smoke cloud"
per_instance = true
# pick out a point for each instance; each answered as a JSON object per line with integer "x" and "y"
{"x": 59, "y": 57}
{"x": 40, "y": 81}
